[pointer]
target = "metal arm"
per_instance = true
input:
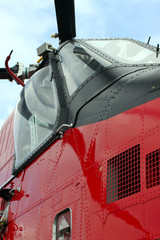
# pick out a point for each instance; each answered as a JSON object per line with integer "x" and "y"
{"x": 18, "y": 80}
{"x": 18, "y": 72}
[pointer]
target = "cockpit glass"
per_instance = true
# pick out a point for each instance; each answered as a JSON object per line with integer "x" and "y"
{"x": 79, "y": 63}
{"x": 36, "y": 113}
{"x": 126, "y": 51}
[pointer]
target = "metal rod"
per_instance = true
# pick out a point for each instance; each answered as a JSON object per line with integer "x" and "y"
{"x": 18, "y": 80}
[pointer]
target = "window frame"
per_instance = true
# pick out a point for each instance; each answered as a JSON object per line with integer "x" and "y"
{"x": 54, "y": 236}
{"x": 53, "y": 60}
{"x": 35, "y": 108}
{"x": 113, "y": 60}
{"x": 137, "y": 46}
{"x": 77, "y": 64}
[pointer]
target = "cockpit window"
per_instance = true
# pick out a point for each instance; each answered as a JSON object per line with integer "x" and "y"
{"x": 126, "y": 51}
{"x": 36, "y": 113}
{"x": 79, "y": 63}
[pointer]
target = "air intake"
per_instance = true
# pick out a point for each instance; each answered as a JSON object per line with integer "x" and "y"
{"x": 123, "y": 174}
{"x": 152, "y": 169}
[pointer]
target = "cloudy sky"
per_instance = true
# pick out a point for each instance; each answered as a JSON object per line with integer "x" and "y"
{"x": 26, "y": 24}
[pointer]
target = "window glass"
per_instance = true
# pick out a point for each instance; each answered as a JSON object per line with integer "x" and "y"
{"x": 125, "y": 51}
{"x": 79, "y": 63}
{"x": 62, "y": 226}
{"x": 36, "y": 113}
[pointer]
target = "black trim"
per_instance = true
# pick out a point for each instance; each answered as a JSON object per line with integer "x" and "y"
{"x": 96, "y": 86}
{"x": 126, "y": 93}
{"x": 61, "y": 89}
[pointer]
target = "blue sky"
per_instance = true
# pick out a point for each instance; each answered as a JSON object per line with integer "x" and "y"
{"x": 26, "y": 24}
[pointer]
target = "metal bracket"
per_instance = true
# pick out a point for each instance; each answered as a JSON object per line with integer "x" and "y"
{"x": 61, "y": 130}
{"x": 7, "y": 194}
{"x": 13, "y": 190}
{"x": 4, "y": 217}
{"x": 44, "y": 49}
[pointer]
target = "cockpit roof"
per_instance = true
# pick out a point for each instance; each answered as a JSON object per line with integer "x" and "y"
{"x": 121, "y": 50}
{"x": 124, "y": 50}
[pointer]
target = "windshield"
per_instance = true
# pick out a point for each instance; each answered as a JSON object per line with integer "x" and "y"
{"x": 79, "y": 63}
{"x": 125, "y": 51}
{"x": 36, "y": 113}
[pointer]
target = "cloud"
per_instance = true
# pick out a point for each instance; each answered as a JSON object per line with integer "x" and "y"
{"x": 24, "y": 26}
{"x": 155, "y": 39}
{"x": 26, "y": 4}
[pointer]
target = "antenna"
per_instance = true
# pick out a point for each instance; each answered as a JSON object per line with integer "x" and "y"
{"x": 149, "y": 40}
{"x": 157, "y": 50}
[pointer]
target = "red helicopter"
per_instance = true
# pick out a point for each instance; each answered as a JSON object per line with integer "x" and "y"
{"x": 80, "y": 155}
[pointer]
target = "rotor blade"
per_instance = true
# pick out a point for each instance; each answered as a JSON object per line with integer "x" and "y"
{"x": 4, "y": 74}
{"x": 65, "y": 13}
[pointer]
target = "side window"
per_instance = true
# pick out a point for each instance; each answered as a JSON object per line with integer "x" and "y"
{"x": 62, "y": 225}
{"x": 79, "y": 63}
{"x": 36, "y": 113}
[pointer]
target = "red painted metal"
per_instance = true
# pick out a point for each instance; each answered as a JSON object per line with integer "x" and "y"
{"x": 18, "y": 80}
{"x": 72, "y": 173}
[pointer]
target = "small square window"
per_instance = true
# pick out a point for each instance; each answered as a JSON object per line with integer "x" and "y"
{"x": 62, "y": 225}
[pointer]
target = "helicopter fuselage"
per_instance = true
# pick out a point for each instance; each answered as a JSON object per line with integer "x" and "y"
{"x": 80, "y": 154}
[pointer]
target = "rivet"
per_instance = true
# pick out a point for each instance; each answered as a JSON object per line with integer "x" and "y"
{"x": 20, "y": 229}
{"x": 100, "y": 168}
